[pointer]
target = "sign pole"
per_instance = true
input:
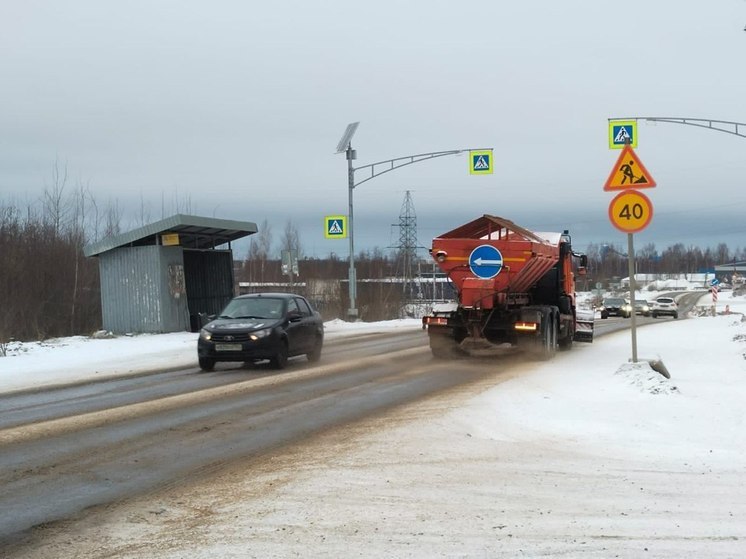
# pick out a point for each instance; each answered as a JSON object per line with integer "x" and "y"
{"x": 631, "y": 271}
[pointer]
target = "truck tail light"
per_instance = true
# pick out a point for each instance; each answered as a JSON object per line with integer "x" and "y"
{"x": 437, "y": 320}
{"x": 525, "y": 326}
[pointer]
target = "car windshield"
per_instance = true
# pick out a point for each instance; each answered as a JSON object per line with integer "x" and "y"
{"x": 253, "y": 307}
{"x": 664, "y": 300}
{"x": 613, "y": 302}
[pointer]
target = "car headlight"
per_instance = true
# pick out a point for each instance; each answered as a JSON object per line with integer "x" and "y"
{"x": 260, "y": 334}
{"x": 205, "y": 334}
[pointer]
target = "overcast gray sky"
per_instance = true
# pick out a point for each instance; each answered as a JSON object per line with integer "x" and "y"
{"x": 238, "y": 106}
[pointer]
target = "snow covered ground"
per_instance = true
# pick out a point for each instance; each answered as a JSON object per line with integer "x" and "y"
{"x": 587, "y": 455}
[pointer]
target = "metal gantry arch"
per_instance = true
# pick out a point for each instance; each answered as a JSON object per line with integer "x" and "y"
{"x": 727, "y": 126}
{"x": 399, "y": 162}
{"x": 376, "y": 170}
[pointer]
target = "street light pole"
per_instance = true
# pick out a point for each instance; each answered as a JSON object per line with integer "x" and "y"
{"x": 351, "y": 275}
{"x": 345, "y": 145}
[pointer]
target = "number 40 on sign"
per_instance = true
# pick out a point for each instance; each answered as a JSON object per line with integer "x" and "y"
{"x": 630, "y": 211}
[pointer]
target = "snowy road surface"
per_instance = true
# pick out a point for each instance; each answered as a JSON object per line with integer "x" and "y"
{"x": 586, "y": 456}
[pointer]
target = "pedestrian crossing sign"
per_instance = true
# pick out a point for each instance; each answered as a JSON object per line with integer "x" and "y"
{"x": 480, "y": 162}
{"x": 335, "y": 227}
{"x": 621, "y": 133}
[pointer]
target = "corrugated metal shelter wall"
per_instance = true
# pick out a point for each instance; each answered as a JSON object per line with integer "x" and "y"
{"x": 135, "y": 294}
{"x": 209, "y": 282}
{"x": 174, "y": 306}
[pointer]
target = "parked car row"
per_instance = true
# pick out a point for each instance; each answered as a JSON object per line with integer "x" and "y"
{"x": 618, "y": 306}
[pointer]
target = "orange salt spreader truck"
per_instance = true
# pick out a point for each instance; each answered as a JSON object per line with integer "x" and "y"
{"x": 515, "y": 291}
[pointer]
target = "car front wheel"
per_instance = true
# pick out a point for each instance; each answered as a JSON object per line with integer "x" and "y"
{"x": 315, "y": 354}
{"x": 206, "y": 364}
{"x": 281, "y": 357}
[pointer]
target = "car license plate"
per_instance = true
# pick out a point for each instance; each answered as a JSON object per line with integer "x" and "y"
{"x": 228, "y": 347}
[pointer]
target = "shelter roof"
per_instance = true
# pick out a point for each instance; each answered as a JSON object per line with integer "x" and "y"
{"x": 193, "y": 231}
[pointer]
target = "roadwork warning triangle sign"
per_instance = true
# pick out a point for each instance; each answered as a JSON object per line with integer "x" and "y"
{"x": 629, "y": 172}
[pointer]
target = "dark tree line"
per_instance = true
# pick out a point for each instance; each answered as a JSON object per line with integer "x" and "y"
{"x": 47, "y": 287}
{"x": 608, "y": 262}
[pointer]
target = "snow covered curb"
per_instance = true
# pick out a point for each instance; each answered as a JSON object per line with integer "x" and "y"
{"x": 81, "y": 359}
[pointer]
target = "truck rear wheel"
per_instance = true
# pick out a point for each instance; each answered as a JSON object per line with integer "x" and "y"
{"x": 548, "y": 342}
{"x": 565, "y": 343}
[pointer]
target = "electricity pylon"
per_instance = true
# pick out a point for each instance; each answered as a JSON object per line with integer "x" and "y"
{"x": 407, "y": 249}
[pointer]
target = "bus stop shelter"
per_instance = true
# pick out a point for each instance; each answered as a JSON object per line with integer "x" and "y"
{"x": 163, "y": 276}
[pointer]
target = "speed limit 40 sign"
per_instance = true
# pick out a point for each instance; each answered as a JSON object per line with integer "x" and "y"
{"x": 630, "y": 211}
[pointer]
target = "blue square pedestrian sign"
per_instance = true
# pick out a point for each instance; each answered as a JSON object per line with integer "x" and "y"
{"x": 480, "y": 162}
{"x": 621, "y": 133}
{"x": 335, "y": 226}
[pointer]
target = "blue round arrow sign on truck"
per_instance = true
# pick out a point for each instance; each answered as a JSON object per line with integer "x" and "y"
{"x": 485, "y": 261}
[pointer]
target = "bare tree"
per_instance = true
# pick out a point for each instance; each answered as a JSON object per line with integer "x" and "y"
{"x": 722, "y": 254}
{"x": 291, "y": 239}
{"x": 178, "y": 205}
{"x": 144, "y": 217}
{"x": 259, "y": 248}
{"x": 56, "y": 207}
{"x": 113, "y": 219}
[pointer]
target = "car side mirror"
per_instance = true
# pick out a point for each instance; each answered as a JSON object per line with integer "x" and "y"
{"x": 205, "y": 318}
{"x": 294, "y": 316}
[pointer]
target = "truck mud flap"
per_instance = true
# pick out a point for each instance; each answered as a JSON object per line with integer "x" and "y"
{"x": 583, "y": 332}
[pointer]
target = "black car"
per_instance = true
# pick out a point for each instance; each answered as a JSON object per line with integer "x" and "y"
{"x": 259, "y": 326}
{"x": 615, "y": 306}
